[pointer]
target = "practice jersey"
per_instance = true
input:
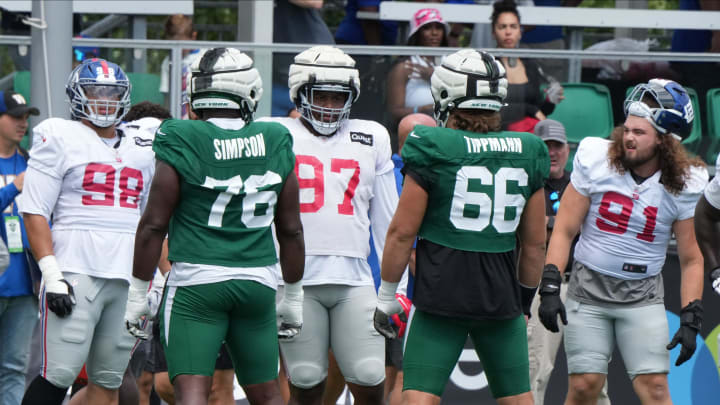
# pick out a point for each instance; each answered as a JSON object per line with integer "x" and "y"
{"x": 712, "y": 191}
{"x": 478, "y": 184}
{"x": 230, "y": 180}
{"x": 346, "y": 182}
{"x": 94, "y": 191}
{"x": 628, "y": 225}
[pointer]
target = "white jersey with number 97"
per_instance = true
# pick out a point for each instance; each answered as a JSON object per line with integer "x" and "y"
{"x": 337, "y": 175}
{"x": 92, "y": 192}
{"x": 628, "y": 225}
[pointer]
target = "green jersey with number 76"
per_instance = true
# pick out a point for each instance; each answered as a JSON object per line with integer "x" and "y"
{"x": 229, "y": 182}
{"x": 478, "y": 184}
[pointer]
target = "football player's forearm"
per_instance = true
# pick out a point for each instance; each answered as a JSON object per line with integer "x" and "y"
{"x": 292, "y": 256}
{"x": 691, "y": 284}
{"x": 148, "y": 248}
{"x": 39, "y": 235}
{"x": 558, "y": 251}
{"x": 691, "y": 261}
{"x": 530, "y": 264}
{"x": 396, "y": 255}
{"x": 707, "y": 233}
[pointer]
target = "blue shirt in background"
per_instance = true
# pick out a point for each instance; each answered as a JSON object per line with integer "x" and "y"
{"x": 16, "y": 279}
{"x": 350, "y": 31}
{"x": 690, "y": 40}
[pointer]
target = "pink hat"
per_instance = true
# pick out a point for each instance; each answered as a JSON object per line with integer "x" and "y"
{"x": 426, "y": 16}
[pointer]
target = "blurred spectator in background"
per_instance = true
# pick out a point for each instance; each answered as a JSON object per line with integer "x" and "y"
{"x": 80, "y": 53}
{"x": 549, "y": 37}
{"x": 179, "y": 27}
{"x": 526, "y": 104}
{"x": 700, "y": 76}
{"x": 18, "y": 305}
{"x": 409, "y": 80}
{"x": 481, "y": 34}
{"x": 355, "y": 31}
{"x": 296, "y": 22}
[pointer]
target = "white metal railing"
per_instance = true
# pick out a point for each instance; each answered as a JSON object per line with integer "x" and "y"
{"x": 175, "y": 48}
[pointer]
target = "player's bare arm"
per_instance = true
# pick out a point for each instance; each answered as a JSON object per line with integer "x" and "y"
{"x": 398, "y": 247}
{"x": 573, "y": 210}
{"x": 403, "y": 229}
{"x": 290, "y": 231}
{"x": 691, "y": 266}
{"x": 691, "y": 261}
{"x": 163, "y": 198}
{"x": 39, "y": 235}
{"x": 707, "y": 233}
{"x": 531, "y": 233}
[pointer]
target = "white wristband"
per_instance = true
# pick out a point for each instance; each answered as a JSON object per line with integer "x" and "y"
{"x": 387, "y": 290}
{"x": 137, "y": 285}
{"x": 50, "y": 268}
{"x": 293, "y": 290}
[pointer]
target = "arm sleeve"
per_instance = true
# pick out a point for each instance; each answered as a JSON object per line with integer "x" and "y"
{"x": 47, "y": 153}
{"x": 694, "y": 186}
{"x": 582, "y": 164}
{"x": 382, "y": 208}
{"x": 40, "y": 193}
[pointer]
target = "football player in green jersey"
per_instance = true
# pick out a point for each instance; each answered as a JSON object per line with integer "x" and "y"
{"x": 470, "y": 194}
{"x": 219, "y": 185}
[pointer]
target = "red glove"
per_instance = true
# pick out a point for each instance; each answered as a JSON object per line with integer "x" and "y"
{"x": 397, "y": 319}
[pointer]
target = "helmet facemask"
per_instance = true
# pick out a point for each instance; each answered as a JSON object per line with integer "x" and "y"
{"x": 674, "y": 114}
{"x": 324, "y": 120}
{"x": 104, "y": 105}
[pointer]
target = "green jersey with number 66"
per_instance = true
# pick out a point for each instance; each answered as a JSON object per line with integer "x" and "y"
{"x": 229, "y": 186}
{"x": 478, "y": 184}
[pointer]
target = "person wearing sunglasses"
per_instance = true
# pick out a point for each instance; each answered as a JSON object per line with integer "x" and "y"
{"x": 627, "y": 196}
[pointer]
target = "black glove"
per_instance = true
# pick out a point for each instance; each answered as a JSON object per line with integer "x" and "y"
{"x": 550, "y": 303}
{"x": 61, "y": 304}
{"x": 690, "y": 324}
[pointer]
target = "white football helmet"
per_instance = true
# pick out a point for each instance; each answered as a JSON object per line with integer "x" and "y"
{"x": 224, "y": 78}
{"x": 468, "y": 79}
{"x": 328, "y": 69}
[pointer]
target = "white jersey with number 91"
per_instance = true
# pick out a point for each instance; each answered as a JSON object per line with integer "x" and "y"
{"x": 628, "y": 225}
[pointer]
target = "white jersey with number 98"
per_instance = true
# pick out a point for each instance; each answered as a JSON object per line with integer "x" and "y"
{"x": 93, "y": 192}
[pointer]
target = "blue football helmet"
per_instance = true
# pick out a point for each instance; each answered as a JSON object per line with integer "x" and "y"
{"x": 98, "y": 91}
{"x": 675, "y": 114}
